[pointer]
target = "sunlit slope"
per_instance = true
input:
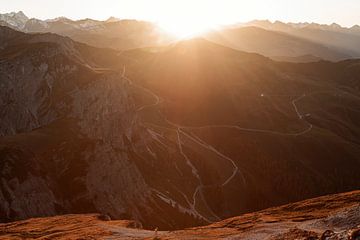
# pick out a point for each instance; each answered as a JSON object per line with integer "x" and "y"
{"x": 336, "y": 216}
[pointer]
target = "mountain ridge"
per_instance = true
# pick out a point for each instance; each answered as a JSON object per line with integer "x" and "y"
{"x": 338, "y": 218}
{"x": 328, "y": 42}
{"x": 330, "y": 35}
{"x": 276, "y": 44}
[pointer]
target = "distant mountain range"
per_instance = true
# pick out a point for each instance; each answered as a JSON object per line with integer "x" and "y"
{"x": 292, "y": 41}
{"x": 346, "y": 39}
{"x": 286, "y": 27}
{"x": 112, "y": 33}
{"x": 295, "y": 42}
{"x": 277, "y": 45}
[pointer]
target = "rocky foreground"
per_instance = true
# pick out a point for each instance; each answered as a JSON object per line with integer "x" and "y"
{"x": 329, "y": 217}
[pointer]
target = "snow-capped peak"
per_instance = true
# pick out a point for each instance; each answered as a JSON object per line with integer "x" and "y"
{"x": 15, "y": 19}
{"x": 62, "y": 19}
{"x": 33, "y": 22}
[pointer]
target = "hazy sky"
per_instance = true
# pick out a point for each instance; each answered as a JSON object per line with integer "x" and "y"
{"x": 344, "y": 12}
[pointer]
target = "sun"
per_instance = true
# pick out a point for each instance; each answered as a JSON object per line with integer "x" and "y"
{"x": 184, "y": 29}
{"x": 189, "y": 18}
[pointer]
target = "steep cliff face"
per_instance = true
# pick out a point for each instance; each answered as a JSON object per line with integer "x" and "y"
{"x": 72, "y": 164}
{"x": 52, "y": 108}
{"x": 72, "y": 137}
{"x": 26, "y": 90}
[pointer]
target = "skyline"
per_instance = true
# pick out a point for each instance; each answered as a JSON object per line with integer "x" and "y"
{"x": 204, "y": 14}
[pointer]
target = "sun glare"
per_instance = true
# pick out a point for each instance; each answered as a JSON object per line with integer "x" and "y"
{"x": 185, "y": 29}
{"x": 189, "y": 18}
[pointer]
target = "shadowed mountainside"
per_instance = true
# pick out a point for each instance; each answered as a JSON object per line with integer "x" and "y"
{"x": 170, "y": 137}
{"x": 274, "y": 44}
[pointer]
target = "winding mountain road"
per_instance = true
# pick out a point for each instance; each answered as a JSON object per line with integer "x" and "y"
{"x": 180, "y": 130}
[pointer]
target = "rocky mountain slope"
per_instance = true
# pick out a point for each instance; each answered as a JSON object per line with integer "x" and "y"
{"x": 334, "y": 217}
{"x": 14, "y": 19}
{"x": 169, "y": 137}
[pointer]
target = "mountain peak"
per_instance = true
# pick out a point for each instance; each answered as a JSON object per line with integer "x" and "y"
{"x": 21, "y": 14}
{"x": 113, "y": 19}
{"x": 335, "y": 25}
{"x": 62, "y": 18}
{"x": 355, "y": 27}
{"x": 15, "y": 19}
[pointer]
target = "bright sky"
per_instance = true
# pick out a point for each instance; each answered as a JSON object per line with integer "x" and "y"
{"x": 196, "y": 13}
